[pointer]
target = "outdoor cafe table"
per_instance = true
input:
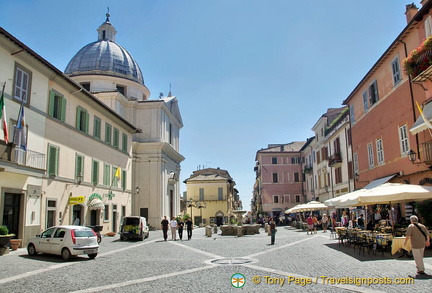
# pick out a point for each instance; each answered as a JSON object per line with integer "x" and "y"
{"x": 364, "y": 231}
{"x": 399, "y": 243}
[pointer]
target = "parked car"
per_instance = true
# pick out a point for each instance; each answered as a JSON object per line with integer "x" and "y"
{"x": 66, "y": 241}
{"x": 134, "y": 227}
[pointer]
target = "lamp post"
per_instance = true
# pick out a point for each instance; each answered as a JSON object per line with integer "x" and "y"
{"x": 412, "y": 156}
{"x": 191, "y": 204}
{"x": 80, "y": 178}
{"x": 201, "y": 205}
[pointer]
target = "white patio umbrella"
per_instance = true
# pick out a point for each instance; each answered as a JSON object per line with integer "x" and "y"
{"x": 336, "y": 201}
{"x": 293, "y": 209}
{"x": 312, "y": 206}
{"x": 389, "y": 193}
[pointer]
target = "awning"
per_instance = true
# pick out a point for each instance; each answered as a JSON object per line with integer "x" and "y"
{"x": 420, "y": 125}
{"x": 96, "y": 204}
{"x": 378, "y": 182}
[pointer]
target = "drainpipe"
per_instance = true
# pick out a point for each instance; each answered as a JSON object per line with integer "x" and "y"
{"x": 346, "y": 151}
{"x": 412, "y": 100}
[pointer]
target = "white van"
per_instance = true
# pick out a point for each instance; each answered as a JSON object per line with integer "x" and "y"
{"x": 134, "y": 227}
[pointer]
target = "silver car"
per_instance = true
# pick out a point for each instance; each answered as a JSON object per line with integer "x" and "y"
{"x": 66, "y": 241}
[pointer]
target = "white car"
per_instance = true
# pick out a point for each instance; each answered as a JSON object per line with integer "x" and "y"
{"x": 66, "y": 241}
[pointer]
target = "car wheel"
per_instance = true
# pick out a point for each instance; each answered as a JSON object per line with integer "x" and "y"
{"x": 31, "y": 249}
{"x": 142, "y": 237}
{"x": 66, "y": 254}
{"x": 92, "y": 255}
{"x": 122, "y": 238}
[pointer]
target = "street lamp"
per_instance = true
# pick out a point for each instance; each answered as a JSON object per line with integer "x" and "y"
{"x": 412, "y": 156}
{"x": 79, "y": 178}
{"x": 137, "y": 189}
{"x": 201, "y": 205}
{"x": 191, "y": 204}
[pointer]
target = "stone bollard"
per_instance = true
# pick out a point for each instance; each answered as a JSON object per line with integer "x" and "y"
{"x": 239, "y": 231}
{"x": 208, "y": 231}
{"x": 266, "y": 227}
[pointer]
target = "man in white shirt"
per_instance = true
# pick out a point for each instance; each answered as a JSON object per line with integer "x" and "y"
{"x": 173, "y": 225}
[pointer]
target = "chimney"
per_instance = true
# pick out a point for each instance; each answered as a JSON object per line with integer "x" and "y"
{"x": 411, "y": 10}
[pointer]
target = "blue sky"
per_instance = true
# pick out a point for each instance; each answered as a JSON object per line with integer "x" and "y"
{"x": 247, "y": 73}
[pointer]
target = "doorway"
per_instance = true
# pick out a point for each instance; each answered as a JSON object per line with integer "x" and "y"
{"x": 114, "y": 218}
{"x": 11, "y": 212}
{"x": 77, "y": 215}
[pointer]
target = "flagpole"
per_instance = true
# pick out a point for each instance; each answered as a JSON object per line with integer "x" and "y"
{"x": 16, "y": 127}
{"x": 4, "y": 105}
{"x": 112, "y": 181}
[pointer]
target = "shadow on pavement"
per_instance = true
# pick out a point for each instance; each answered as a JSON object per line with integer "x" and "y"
{"x": 54, "y": 258}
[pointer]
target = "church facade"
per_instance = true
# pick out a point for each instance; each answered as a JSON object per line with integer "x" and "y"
{"x": 110, "y": 73}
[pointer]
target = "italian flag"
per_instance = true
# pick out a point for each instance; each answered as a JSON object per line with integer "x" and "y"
{"x": 3, "y": 117}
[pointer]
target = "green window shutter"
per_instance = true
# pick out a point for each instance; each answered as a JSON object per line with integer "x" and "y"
{"x": 123, "y": 179}
{"x": 63, "y": 109}
{"x": 124, "y": 142}
{"x": 116, "y": 138}
{"x": 78, "y": 117}
{"x": 87, "y": 117}
{"x": 79, "y": 165}
{"x": 53, "y": 161}
{"x": 95, "y": 172}
{"x": 107, "y": 174}
{"x": 51, "y": 103}
{"x": 97, "y": 128}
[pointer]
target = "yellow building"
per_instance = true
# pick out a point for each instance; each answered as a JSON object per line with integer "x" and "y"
{"x": 211, "y": 196}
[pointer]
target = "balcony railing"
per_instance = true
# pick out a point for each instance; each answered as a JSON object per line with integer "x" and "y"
{"x": 334, "y": 159}
{"x": 308, "y": 169}
{"x": 28, "y": 158}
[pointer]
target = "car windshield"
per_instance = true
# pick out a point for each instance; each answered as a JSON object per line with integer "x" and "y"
{"x": 131, "y": 221}
{"x": 83, "y": 233}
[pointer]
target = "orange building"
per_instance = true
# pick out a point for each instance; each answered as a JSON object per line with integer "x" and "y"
{"x": 383, "y": 112}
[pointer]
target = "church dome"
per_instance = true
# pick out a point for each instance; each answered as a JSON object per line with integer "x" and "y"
{"x": 105, "y": 57}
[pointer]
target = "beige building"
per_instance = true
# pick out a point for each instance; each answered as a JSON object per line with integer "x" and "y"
{"x": 62, "y": 168}
{"x": 211, "y": 196}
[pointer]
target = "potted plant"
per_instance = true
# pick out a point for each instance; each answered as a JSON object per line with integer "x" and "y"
{"x": 15, "y": 243}
{"x": 4, "y": 239}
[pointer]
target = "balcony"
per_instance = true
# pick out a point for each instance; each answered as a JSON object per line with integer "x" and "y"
{"x": 334, "y": 159}
{"x": 308, "y": 169}
{"x": 12, "y": 158}
{"x": 418, "y": 62}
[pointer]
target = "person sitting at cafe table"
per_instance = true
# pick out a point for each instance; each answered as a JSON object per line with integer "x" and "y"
{"x": 377, "y": 216}
{"x": 420, "y": 238}
{"x": 370, "y": 226}
{"x": 360, "y": 222}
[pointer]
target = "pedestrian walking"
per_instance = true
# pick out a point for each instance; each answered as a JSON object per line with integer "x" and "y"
{"x": 273, "y": 231}
{"x": 420, "y": 238}
{"x": 310, "y": 224}
{"x": 189, "y": 228}
{"x": 324, "y": 221}
{"x": 173, "y": 225}
{"x": 164, "y": 225}
{"x": 315, "y": 223}
{"x": 180, "y": 226}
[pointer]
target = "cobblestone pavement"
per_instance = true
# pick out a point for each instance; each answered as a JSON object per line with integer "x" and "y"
{"x": 296, "y": 263}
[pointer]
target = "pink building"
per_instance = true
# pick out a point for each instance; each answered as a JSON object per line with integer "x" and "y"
{"x": 279, "y": 178}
